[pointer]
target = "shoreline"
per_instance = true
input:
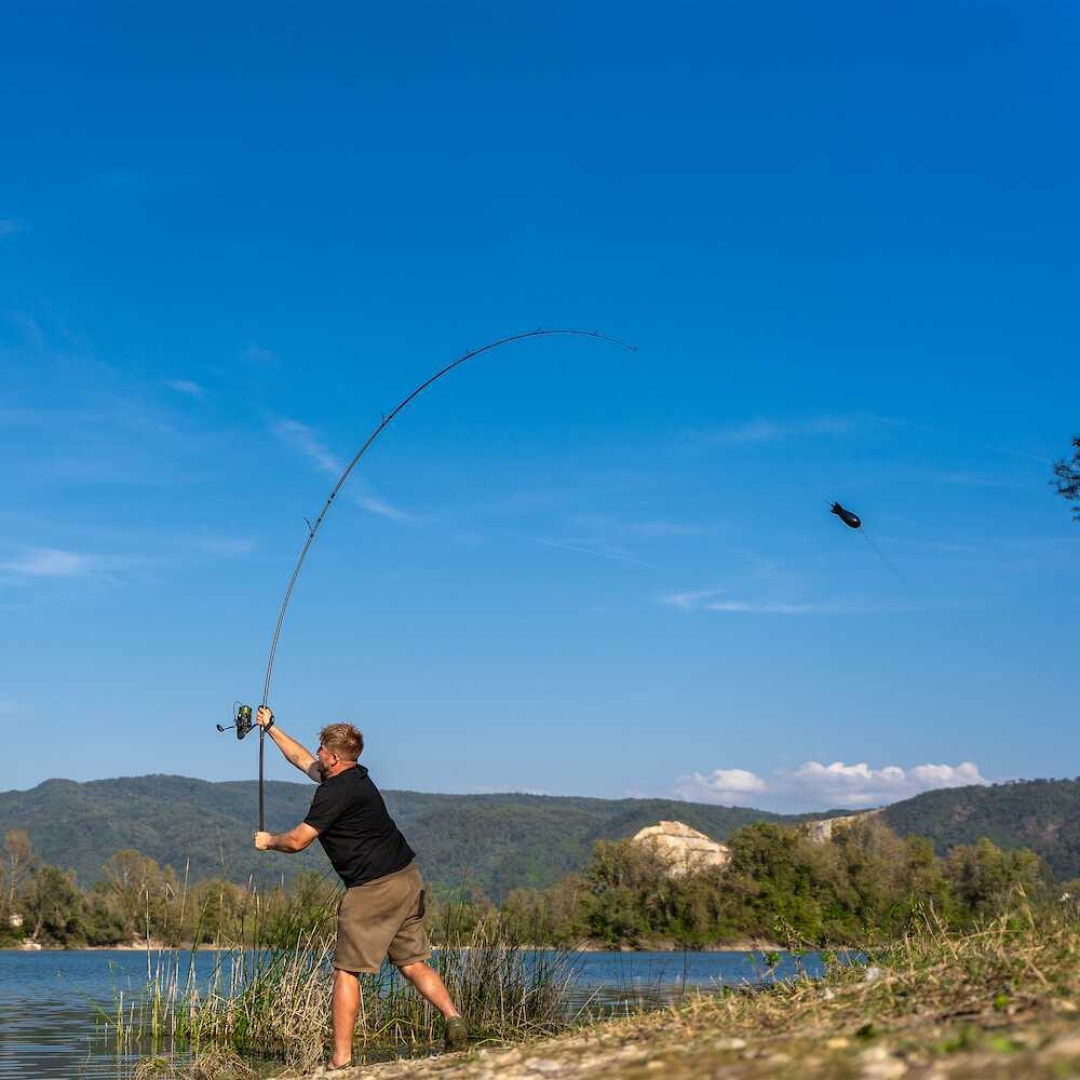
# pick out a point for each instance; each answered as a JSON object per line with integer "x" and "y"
{"x": 584, "y": 948}
{"x": 994, "y": 1004}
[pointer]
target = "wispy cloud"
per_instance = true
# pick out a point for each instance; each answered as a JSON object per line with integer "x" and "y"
{"x": 967, "y": 478}
{"x": 51, "y": 563}
{"x": 816, "y": 786}
{"x": 765, "y": 429}
{"x": 302, "y": 438}
{"x": 611, "y": 527}
{"x": 30, "y": 330}
{"x": 599, "y": 552}
{"x": 716, "y": 600}
{"x": 256, "y": 354}
{"x": 187, "y": 387}
{"x": 219, "y": 545}
{"x": 652, "y": 529}
{"x": 9, "y": 226}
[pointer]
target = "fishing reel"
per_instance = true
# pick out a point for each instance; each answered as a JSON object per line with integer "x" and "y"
{"x": 243, "y": 722}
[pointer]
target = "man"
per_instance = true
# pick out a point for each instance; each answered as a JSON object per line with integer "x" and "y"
{"x": 382, "y": 911}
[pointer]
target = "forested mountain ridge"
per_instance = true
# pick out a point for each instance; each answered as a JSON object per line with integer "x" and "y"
{"x": 495, "y": 842}
{"x": 204, "y": 829}
{"x": 1043, "y": 815}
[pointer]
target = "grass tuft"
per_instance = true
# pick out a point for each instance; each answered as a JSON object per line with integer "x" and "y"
{"x": 274, "y": 1001}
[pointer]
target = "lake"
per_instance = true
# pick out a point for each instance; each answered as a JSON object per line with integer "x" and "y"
{"x": 51, "y": 1001}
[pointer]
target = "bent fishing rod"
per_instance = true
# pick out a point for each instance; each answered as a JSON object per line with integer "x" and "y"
{"x": 243, "y": 721}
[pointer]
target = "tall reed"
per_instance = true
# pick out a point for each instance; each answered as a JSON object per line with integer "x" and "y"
{"x": 268, "y": 993}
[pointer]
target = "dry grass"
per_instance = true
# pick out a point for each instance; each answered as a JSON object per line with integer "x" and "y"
{"x": 1014, "y": 965}
{"x": 276, "y": 1002}
{"x": 999, "y": 1002}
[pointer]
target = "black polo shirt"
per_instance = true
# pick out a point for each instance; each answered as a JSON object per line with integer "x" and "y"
{"x": 356, "y": 831}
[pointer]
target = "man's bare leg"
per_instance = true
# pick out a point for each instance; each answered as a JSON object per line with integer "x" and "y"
{"x": 429, "y": 984}
{"x": 346, "y": 1008}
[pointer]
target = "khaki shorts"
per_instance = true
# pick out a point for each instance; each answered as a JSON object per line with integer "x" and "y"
{"x": 382, "y": 917}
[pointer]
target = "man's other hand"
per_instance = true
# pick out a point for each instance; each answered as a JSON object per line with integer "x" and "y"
{"x": 262, "y": 841}
{"x": 263, "y": 716}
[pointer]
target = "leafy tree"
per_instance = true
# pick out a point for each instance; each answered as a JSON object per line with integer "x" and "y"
{"x": 778, "y": 882}
{"x": 985, "y": 880}
{"x": 18, "y": 862}
{"x": 136, "y": 889}
{"x": 213, "y": 912}
{"x": 55, "y": 907}
{"x": 1067, "y": 482}
{"x": 626, "y": 891}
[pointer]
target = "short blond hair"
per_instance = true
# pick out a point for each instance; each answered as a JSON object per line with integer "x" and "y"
{"x": 344, "y": 740}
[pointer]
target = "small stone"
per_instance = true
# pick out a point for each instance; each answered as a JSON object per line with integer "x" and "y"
{"x": 733, "y": 1043}
{"x": 838, "y": 1042}
{"x": 872, "y": 974}
{"x": 546, "y": 1068}
{"x": 1066, "y": 1048}
{"x": 878, "y": 1064}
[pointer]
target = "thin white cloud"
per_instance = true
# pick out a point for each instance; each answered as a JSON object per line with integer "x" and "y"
{"x": 965, "y": 478}
{"x": 688, "y": 601}
{"x": 816, "y": 786}
{"x": 711, "y": 600}
{"x": 9, "y": 226}
{"x": 31, "y": 331}
{"x": 6, "y": 707}
{"x": 605, "y": 525}
{"x": 665, "y": 528}
{"x": 600, "y": 553}
{"x": 257, "y": 354}
{"x": 219, "y": 545}
{"x": 51, "y": 563}
{"x": 764, "y": 429}
{"x": 186, "y": 386}
{"x": 302, "y": 438}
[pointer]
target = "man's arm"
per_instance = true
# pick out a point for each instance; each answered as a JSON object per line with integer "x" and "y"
{"x": 294, "y": 840}
{"x": 295, "y": 754}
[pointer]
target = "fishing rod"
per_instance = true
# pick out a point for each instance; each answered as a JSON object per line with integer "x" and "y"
{"x": 243, "y": 722}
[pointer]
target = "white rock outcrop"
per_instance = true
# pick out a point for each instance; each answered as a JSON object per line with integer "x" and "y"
{"x": 684, "y": 850}
{"x": 821, "y": 831}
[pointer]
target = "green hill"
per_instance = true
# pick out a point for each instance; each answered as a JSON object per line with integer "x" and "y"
{"x": 1043, "y": 815}
{"x": 496, "y": 842}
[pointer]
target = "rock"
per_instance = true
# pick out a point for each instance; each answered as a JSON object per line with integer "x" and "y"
{"x": 733, "y": 1043}
{"x": 878, "y": 1064}
{"x": 820, "y": 831}
{"x": 683, "y": 849}
{"x": 1066, "y": 1048}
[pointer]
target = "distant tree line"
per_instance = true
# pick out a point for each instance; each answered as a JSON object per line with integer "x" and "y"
{"x": 865, "y": 885}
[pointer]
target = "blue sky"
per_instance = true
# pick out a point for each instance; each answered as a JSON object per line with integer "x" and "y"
{"x": 842, "y": 238}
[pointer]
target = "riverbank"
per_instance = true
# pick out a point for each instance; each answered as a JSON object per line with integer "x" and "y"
{"x": 1000, "y": 1003}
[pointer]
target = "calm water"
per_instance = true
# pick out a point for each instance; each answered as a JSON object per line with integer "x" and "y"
{"x": 51, "y": 1003}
